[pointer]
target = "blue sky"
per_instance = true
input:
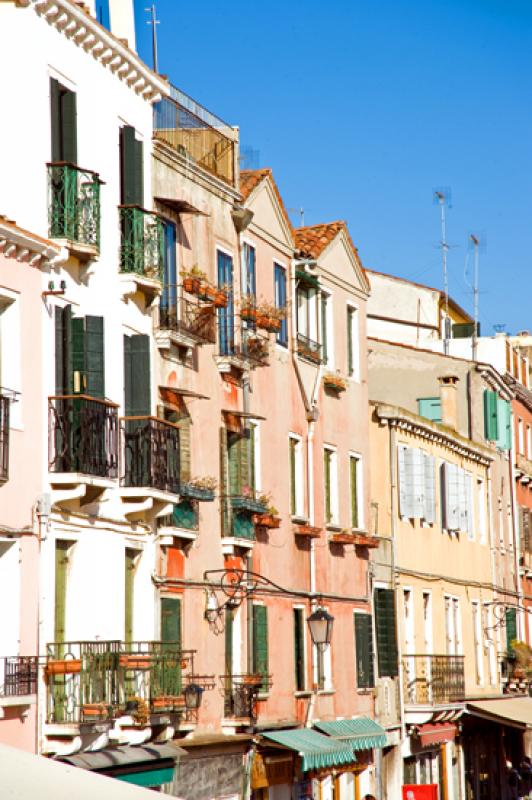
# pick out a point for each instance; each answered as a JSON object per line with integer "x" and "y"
{"x": 363, "y": 107}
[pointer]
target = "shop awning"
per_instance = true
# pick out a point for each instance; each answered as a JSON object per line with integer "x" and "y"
{"x": 436, "y": 733}
{"x": 316, "y": 751}
{"x": 150, "y": 765}
{"x": 514, "y": 711}
{"x": 362, "y": 733}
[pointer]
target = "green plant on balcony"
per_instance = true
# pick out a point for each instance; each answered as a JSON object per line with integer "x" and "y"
{"x": 142, "y": 247}
{"x": 200, "y": 488}
{"x": 522, "y": 653}
{"x": 74, "y": 205}
{"x": 248, "y": 307}
{"x": 247, "y": 501}
{"x": 269, "y": 316}
{"x": 334, "y": 382}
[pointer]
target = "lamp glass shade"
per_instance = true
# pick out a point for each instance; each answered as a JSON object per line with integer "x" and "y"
{"x": 193, "y": 694}
{"x": 320, "y": 625}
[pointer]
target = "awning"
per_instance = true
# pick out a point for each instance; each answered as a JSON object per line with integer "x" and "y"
{"x": 362, "y": 733}
{"x": 307, "y": 278}
{"x": 150, "y": 765}
{"x": 316, "y": 751}
{"x": 514, "y": 711}
{"x": 436, "y": 733}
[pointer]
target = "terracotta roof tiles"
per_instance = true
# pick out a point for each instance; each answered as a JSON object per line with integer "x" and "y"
{"x": 250, "y": 179}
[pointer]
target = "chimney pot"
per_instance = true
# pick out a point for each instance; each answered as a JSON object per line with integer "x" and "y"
{"x": 448, "y": 399}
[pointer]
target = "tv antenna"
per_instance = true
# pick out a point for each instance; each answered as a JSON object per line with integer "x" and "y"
{"x": 153, "y": 21}
{"x": 441, "y": 197}
{"x": 301, "y": 212}
{"x": 475, "y": 241}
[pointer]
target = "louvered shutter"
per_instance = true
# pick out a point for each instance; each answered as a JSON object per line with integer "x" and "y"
{"x": 293, "y": 477}
{"x": 184, "y": 450}
{"x": 61, "y": 564}
{"x": 63, "y": 350}
{"x": 244, "y": 457}
{"x": 260, "y": 643}
{"x": 224, "y": 481}
{"x": 470, "y": 522}
{"x": 137, "y": 388}
{"x": 69, "y": 127}
{"x": 94, "y": 357}
{"x": 429, "y": 500}
{"x": 324, "y": 328}
{"x": 55, "y": 119}
{"x": 229, "y": 619}
{"x": 350, "y": 354}
{"x": 507, "y": 444}
{"x": 405, "y": 495}
{"x": 171, "y": 620}
{"x": 385, "y": 630}
{"x": 462, "y": 499}
{"x": 353, "y": 464}
{"x": 364, "y": 651}
{"x": 511, "y": 629}
{"x": 525, "y": 515}
{"x": 327, "y": 484}
{"x": 130, "y": 173}
{"x": 490, "y": 415}
{"x": 430, "y": 408}
{"x": 78, "y": 355}
{"x": 129, "y": 576}
{"x": 416, "y": 470}
{"x": 139, "y": 172}
{"x": 452, "y": 497}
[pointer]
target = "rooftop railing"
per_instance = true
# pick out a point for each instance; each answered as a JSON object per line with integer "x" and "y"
{"x": 433, "y": 679}
{"x": 74, "y": 204}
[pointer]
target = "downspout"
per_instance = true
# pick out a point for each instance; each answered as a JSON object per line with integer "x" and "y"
{"x": 393, "y": 507}
{"x": 42, "y": 514}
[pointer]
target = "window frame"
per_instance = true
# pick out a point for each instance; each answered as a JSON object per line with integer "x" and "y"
{"x": 297, "y": 479}
{"x": 359, "y": 490}
{"x": 331, "y": 503}
{"x": 353, "y": 342}
{"x": 281, "y": 337}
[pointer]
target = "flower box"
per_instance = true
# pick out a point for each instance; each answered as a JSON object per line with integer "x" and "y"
{"x": 310, "y": 531}
{"x": 220, "y": 300}
{"x": 63, "y": 666}
{"x": 192, "y": 285}
{"x": 94, "y": 711}
{"x": 140, "y": 661}
{"x": 270, "y": 324}
{"x": 365, "y": 540}
{"x": 253, "y": 680}
{"x": 334, "y": 383}
{"x": 207, "y": 292}
{"x": 245, "y": 503}
{"x": 342, "y": 538}
{"x": 192, "y": 492}
{"x": 266, "y": 520}
{"x": 248, "y": 313}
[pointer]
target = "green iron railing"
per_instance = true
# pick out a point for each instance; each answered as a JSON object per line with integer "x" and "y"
{"x": 142, "y": 246}
{"x": 74, "y": 204}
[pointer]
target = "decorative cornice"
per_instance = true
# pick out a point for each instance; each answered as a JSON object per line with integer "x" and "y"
{"x": 82, "y": 29}
{"x": 27, "y": 247}
{"x": 494, "y": 380}
{"x": 403, "y": 420}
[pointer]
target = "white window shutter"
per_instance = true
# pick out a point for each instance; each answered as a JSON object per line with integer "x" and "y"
{"x": 452, "y": 496}
{"x": 462, "y": 499}
{"x": 418, "y": 483}
{"x": 404, "y": 492}
{"x": 429, "y": 499}
{"x": 469, "y": 505}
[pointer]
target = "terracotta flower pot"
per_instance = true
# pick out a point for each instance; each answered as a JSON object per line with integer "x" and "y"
{"x": 220, "y": 301}
{"x": 248, "y": 312}
{"x": 94, "y": 711}
{"x": 267, "y": 520}
{"x": 135, "y": 661}
{"x": 63, "y": 666}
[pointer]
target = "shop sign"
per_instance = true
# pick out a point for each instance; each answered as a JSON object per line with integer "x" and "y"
{"x": 417, "y": 791}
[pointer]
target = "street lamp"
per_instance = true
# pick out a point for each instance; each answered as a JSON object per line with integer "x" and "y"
{"x": 193, "y": 693}
{"x": 320, "y": 624}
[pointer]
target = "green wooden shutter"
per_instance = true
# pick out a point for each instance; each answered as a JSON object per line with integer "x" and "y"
{"x": 78, "y": 355}
{"x": 171, "y": 620}
{"x": 61, "y": 566}
{"x": 299, "y": 649}
{"x": 235, "y": 455}
{"x": 224, "y": 481}
{"x": 63, "y": 350}
{"x": 327, "y": 481}
{"x": 251, "y": 450}
{"x": 94, "y": 357}
{"x": 185, "y": 467}
{"x": 353, "y": 465}
{"x": 364, "y": 651}
{"x": 491, "y": 428}
{"x": 385, "y": 629}
{"x": 131, "y": 181}
{"x": 69, "y": 126}
{"x": 511, "y": 629}
{"x": 129, "y": 578}
{"x": 350, "y": 363}
{"x": 260, "y": 643}
{"x": 293, "y": 498}
{"x": 137, "y": 389}
{"x": 139, "y": 172}
{"x": 430, "y": 408}
{"x": 55, "y": 119}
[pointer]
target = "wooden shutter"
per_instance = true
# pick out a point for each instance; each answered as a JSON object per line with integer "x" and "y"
{"x": 364, "y": 651}
{"x": 63, "y": 350}
{"x": 137, "y": 386}
{"x": 94, "y": 357}
{"x": 415, "y": 463}
{"x": 61, "y": 566}
{"x": 451, "y": 497}
{"x": 299, "y": 649}
{"x": 324, "y": 327}
{"x": 131, "y": 175}
{"x": 385, "y": 629}
{"x": 405, "y": 509}
{"x": 327, "y": 483}
{"x": 429, "y": 498}
{"x": 260, "y": 642}
{"x": 490, "y": 415}
{"x": 129, "y": 577}
{"x": 353, "y": 469}
{"x": 185, "y": 467}
{"x": 69, "y": 127}
{"x": 171, "y": 620}
{"x": 470, "y": 527}
{"x": 139, "y": 172}
{"x": 511, "y": 629}
{"x": 430, "y": 408}
{"x": 78, "y": 355}
{"x": 55, "y": 119}
{"x": 293, "y": 492}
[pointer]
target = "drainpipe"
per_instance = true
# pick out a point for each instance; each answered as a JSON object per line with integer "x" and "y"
{"x": 43, "y": 515}
{"x": 393, "y": 504}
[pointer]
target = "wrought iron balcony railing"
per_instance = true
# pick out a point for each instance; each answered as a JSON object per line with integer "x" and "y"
{"x": 142, "y": 244}
{"x": 4, "y": 438}
{"x": 241, "y": 694}
{"x": 83, "y": 435}
{"x": 151, "y": 454}
{"x": 74, "y": 204}
{"x": 433, "y": 679}
{"x": 308, "y": 349}
{"x": 95, "y": 680}
{"x": 18, "y": 676}
{"x": 255, "y": 347}
{"x": 191, "y": 317}
{"x": 196, "y": 134}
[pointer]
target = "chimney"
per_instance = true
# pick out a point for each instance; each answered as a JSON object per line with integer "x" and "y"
{"x": 449, "y": 400}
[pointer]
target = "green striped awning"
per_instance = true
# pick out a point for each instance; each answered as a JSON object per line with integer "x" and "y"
{"x": 362, "y": 733}
{"x": 317, "y": 751}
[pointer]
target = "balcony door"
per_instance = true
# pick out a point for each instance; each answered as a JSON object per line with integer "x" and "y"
{"x": 168, "y": 302}
{"x": 226, "y": 322}
{"x": 137, "y": 406}
{"x": 169, "y": 675}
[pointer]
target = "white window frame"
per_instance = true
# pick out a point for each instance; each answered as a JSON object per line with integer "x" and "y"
{"x": 302, "y": 608}
{"x": 329, "y": 327}
{"x": 481, "y": 509}
{"x": 529, "y": 442}
{"x": 427, "y": 622}
{"x": 360, "y": 490}
{"x": 409, "y": 620}
{"x": 477, "y": 640}
{"x": 354, "y": 335}
{"x": 11, "y": 353}
{"x": 299, "y": 511}
{"x": 333, "y": 485}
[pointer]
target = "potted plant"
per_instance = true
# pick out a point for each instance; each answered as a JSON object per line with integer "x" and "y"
{"x": 222, "y": 296}
{"x": 253, "y": 680}
{"x": 343, "y": 537}
{"x": 270, "y": 518}
{"x": 522, "y": 653}
{"x": 63, "y": 666}
{"x": 93, "y": 711}
{"x": 192, "y": 279}
{"x": 269, "y": 317}
{"x": 137, "y": 708}
{"x": 257, "y": 348}
{"x": 200, "y": 488}
{"x": 334, "y": 382}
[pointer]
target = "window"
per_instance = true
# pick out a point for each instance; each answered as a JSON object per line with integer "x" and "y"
{"x": 453, "y": 626}
{"x": 427, "y": 622}
{"x": 477, "y": 635}
{"x": 226, "y": 332}
{"x": 130, "y": 563}
{"x": 249, "y": 285}
{"x": 327, "y": 343}
{"x": 511, "y": 629}
{"x": 137, "y": 395}
{"x": 308, "y": 346}
{"x": 63, "y": 551}
{"x": 481, "y": 510}
{"x": 457, "y": 506}
{"x": 281, "y": 336}
{"x": 385, "y": 632}
{"x": 10, "y": 353}
{"x": 416, "y": 484}
{"x": 168, "y": 301}
{"x": 296, "y": 476}
{"x": 131, "y": 168}
{"x": 353, "y": 361}
{"x": 330, "y": 471}
{"x": 490, "y": 633}
{"x": 529, "y": 442}
{"x": 299, "y": 649}
{"x": 171, "y": 620}
{"x": 63, "y": 123}
{"x": 355, "y": 479}
{"x": 497, "y": 420}
{"x": 430, "y": 408}
{"x": 364, "y": 651}
{"x": 521, "y": 437}
{"x": 260, "y": 644}
{"x": 102, "y": 13}
{"x": 79, "y": 354}
{"x": 408, "y": 611}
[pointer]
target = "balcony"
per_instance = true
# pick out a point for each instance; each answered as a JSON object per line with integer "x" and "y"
{"x": 255, "y": 347}
{"x": 186, "y": 323}
{"x": 241, "y": 695}
{"x": 433, "y": 679}
{"x": 82, "y": 440}
{"x": 308, "y": 349}
{"x": 74, "y": 208}
{"x": 151, "y": 458}
{"x": 141, "y": 249}
{"x": 93, "y": 681}
{"x": 18, "y": 678}
{"x": 4, "y": 438}
{"x": 196, "y": 135}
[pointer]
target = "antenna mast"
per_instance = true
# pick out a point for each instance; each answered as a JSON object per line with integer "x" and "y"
{"x": 475, "y": 241}
{"x": 153, "y": 21}
{"x": 440, "y": 196}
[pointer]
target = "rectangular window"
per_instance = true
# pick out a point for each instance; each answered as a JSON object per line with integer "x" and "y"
{"x": 417, "y": 490}
{"x": 355, "y": 477}
{"x": 63, "y": 123}
{"x": 281, "y": 336}
{"x": 296, "y": 476}
{"x": 364, "y": 651}
{"x": 102, "y": 13}
{"x": 353, "y": 357}
{"x": 299, "y": 649}
{"x": 249, "y": 283}
{"x": 511, "y": 629}
{"x": 385, "y": 632}
{"x": 260, "y": 644}
{"x": 62, "y": 554}
{"x": 130, "y": 563}
{"x": 330, "y": 473}
{"x": 79, "y": 354}
{"x": 490, "y": 642}
{"x": 226, "y": 324}
{"x": 171, "y": 620}
{"x": 11, "y": 354}
{"x": 137, "y": 389}
{"x": 481, "y": 510}
{"x": 504, "y": 423}
{"x": 491, "y": 426}
{"x": 477, "y": 634}
{"x": 427, "y": 622}
{"x": 453, "y": 626}
{"x": 430, "y": 408}
{"x": 327, "y": 331}
{"x": 168, "y": 300}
